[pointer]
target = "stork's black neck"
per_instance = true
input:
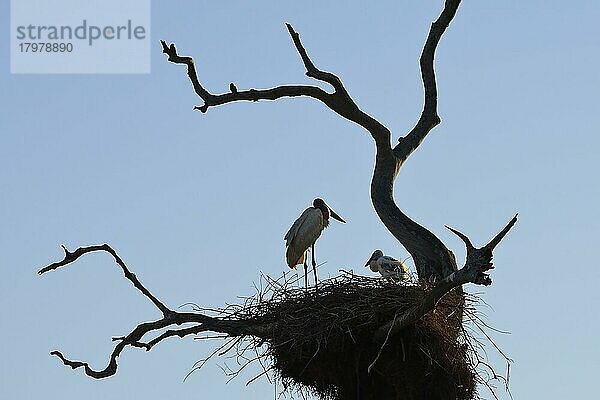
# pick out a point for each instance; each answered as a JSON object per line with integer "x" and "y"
{"x": 325, "y": 212}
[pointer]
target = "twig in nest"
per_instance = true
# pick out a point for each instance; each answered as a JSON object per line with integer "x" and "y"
{"x": 382, "y": 346}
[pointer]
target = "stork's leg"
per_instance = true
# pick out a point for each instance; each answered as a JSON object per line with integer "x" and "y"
{"x": 314, "y": 264}
{"x": 305, "y": 272}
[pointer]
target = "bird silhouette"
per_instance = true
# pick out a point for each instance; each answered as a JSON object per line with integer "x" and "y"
{"x": 304, "y": 233}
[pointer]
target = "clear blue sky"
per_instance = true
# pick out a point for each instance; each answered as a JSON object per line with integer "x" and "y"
{"x": 197, "y": 204}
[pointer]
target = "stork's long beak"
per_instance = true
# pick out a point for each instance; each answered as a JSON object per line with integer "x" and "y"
{"x": 334, "y": 215}
{"x": 369, "y": 261}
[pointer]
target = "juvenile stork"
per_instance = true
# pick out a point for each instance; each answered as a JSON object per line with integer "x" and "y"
{"x": 304, "y": 233}
{"x": 390, "y": 268}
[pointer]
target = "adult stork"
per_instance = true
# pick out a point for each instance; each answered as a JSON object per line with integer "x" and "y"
{"x": 388, "y": 267}
{"x": 304, "y": 233}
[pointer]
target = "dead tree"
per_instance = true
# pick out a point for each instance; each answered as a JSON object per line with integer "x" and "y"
{"x": 438, "y": 274}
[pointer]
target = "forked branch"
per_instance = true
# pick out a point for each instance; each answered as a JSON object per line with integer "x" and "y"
{"x": 202, "y": 323}
{"x": 433, "y": 260}
{"x": 429, "y": 116}
{"x": 478, "y": 261}
{"x": 338, "y": 101}
{"x": 236, "y": 95}
{"x": 73, "y": 256}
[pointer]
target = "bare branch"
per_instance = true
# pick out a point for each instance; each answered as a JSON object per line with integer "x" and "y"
{"x": 232, "y": 328}
{"x": 234, "y": 94}
{"x": 429, "y": 117}
{"x": 479, "y": 260}
{"x": 432, "y": 258}
{"x": 339, "y": 101}
{"x": 193, "y": 330}
{"x": 311, "y": 70}
{"x": 73, "y": 256}
{"x": 177, "y": 332}
{"x": 134, "y": 338}
{"x": 462, "y": 236}
{"x": 111, "y": 368}
{"x": 70, "y": 257}
{"x": 494, "y": 242}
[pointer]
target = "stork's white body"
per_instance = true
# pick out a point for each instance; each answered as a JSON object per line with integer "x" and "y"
{"x": 389, "y": 268}
{"x": 304, "y": 233}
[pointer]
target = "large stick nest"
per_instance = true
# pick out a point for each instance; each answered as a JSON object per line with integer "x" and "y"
{"x": 320, "y": 340}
